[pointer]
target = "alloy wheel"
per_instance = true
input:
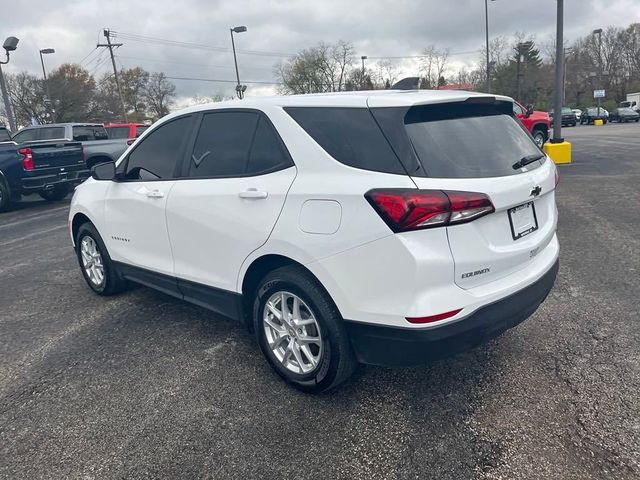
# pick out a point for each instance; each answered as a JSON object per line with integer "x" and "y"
{"x": 292, "y": 332}
{"x": 92, "y": 261}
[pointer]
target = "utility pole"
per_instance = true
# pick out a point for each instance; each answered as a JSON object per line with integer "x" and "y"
{"x": 363, "y": 58}
{"x": 110, "y": 46}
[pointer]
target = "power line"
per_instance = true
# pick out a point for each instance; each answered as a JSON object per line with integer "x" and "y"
{"x": 199, "y": 46}
{"x": 176, "y": 63}
{"x": 215, "y": 80}
{"x": 87, "y": 55}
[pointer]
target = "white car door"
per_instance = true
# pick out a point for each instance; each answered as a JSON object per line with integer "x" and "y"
{"x": 234, "y": 185}
{"x": 134, "y": 211}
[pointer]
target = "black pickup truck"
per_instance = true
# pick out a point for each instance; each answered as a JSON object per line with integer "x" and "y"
{"x": 49, "y": 169}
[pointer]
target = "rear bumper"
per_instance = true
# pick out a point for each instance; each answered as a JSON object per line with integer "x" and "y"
{"x": 41, "y": 183}
{"x": 394, "y": 346}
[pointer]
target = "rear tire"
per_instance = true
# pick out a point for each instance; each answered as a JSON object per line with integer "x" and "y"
{"x": 284, "y": 333}
{"x": 5, "y": 198}
{"x": 95, "y": 263}
{"x": 56, "y": 194}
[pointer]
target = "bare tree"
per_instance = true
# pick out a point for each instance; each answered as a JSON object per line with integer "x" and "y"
{"x": 432, "y": 66}
{"x": 158, "y": 94}
{"x": 27, "y": 98}
{"x": 324, "y": 68}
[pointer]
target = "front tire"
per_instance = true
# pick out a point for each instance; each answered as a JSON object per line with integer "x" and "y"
{"x": 56, "y": 194}
{"x": 97, "y": 267}
{"x": 300, "y": 331}
{"x": 539, "y": 137}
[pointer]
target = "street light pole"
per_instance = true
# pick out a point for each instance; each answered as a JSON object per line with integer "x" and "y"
{"x": 10, "y": 44}
{"x": 363, "y": 58}
{"x": 49, "y": 104}
{"x": 599, "y": 33}
{"x": 240, "y": 89}
{"x": 557, "y": 104}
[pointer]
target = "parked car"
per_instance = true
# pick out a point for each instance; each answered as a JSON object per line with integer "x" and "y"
{"x": 537, "y": 122}
{"x": 48, "y": 169}
{"x": 589, "y": 115}
{"x": 98, "y": 148}
{"x": 568, "y": 117}
{"x": 578, "y": 114}
{"x": 125, "y": 130}
{"x": 624, "y": 115}
{"x": 296, "y": 216}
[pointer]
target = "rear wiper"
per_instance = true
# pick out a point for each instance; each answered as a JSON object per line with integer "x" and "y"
{"x": 527, "y": 160}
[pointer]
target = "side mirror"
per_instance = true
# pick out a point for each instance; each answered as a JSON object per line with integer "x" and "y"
{"x": 104, "y": 171}
{"x": 529, "y": 110}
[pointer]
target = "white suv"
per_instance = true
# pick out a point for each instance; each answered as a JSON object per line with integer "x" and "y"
{"x": 383, "y": 227}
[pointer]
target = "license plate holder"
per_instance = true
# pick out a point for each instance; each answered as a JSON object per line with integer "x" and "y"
{"x": 523, "y": 220}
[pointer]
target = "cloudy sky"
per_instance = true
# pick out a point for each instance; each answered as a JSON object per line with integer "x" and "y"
{"x": 276, "y": 28}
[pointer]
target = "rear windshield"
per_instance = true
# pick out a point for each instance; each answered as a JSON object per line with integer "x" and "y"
{"x": 86, "y": 133}
{"x": 118, "y": 132}
{"x": 465, "y": 141}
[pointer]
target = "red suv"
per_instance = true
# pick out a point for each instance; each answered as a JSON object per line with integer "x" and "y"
{"x": 125, "y": 130}
{"x": 537, "y": 122}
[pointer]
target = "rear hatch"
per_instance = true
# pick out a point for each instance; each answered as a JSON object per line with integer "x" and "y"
{"x": 52, "y": 157}
{"x": 476, "y": 147}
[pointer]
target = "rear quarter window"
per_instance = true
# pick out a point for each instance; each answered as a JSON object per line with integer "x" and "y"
{"x": 349, "y": 135}
{"x": 87, "y": 133}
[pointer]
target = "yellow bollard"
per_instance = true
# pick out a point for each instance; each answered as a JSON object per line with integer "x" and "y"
{"x": 598, "y": 122}
{"x": 559, "y": 152}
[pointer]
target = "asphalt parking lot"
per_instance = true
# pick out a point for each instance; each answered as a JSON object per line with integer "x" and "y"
{"x": 144, "y": 386}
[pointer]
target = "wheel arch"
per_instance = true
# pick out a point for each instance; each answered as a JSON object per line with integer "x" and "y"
{"x": 79, "y": 218}
{"x": 258, "y": 269}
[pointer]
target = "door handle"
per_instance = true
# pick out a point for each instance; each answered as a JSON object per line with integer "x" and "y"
{"x": 253, "y": 193}
{"x": 155, "y": 194}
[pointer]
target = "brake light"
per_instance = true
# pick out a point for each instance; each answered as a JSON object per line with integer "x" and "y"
{"x": 433, "y": 318}
{"x": 27, "y": 160}
{"x": 410, "y": 209}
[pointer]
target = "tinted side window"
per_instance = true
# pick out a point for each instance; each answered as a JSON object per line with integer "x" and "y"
{"x": 4, "y": 135}
{"x": 140, "y": 129}
{"x": 88, "y": 133}
{"x": 25, "y": 135}
{"x": 51, "y": 133}
{"x": 517, "y": 109}
{"x": 223, "y": 144}
{"x": 156, "y": 156}
{"x": 267, "y": 153}
{"x": 118, "y": 132}
{"x": 350, "y": 135}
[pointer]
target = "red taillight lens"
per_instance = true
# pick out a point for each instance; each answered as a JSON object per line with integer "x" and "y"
{"x": 27, "y": 160}
{"x": 434, "y": 318}
{"x": 405, "y": 209}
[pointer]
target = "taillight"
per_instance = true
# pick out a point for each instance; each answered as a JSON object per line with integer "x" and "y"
{"x": 27, "y": 160}
{"x": 410, "y": 209}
